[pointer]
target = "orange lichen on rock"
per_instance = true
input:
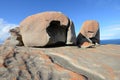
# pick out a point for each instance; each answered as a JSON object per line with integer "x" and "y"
{"x": 57, "y": 67}
{"x": 86, "y": 45}
{"x": 75, "y": 76}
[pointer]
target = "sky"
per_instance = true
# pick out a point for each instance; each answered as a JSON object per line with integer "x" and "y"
{"x": 106, "y": 12}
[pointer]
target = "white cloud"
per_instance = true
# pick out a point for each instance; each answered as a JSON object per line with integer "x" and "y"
{"x": 4, "y": 29}
{"x": 116, "y": 29}
{"x": 111, "y": 32}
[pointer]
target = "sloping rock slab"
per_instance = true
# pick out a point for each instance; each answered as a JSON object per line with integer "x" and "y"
{"x": 60, "y": 63}
{"x": 101, "y": 63}
{"x": 24, "y": 63}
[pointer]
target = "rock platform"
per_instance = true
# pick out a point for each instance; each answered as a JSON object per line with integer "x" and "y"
{"x": 60, "y": 63}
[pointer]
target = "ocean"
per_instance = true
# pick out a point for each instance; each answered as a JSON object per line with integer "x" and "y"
{"x": 111, "y": 41}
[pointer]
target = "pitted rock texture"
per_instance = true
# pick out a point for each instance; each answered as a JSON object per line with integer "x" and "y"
{"x": 15, "y": 38}
{"x": 47, "y": 28}
{"x": 89, "y": 32}
{"x": 23, "y": 63}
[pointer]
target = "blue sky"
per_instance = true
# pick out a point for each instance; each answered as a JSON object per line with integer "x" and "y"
{"x": 106, "y": 12}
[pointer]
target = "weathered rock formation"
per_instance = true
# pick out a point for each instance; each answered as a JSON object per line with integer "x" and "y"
{"x": 89, "y": 34}
{"x": 60, "y": 63}
{"x": 18, "y": 62}
{"x": 47, "y": 28}
{"x": 22, "y": 63}
{"x": 15, "y": 38}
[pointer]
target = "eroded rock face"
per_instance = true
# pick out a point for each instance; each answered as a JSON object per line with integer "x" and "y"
{"x": 15, "y": 38}
{"x": 22, "y": 63}
{"x": 47, "y": 28}
{"x": 89, "y": 34}
{"x": 61, "y": 63}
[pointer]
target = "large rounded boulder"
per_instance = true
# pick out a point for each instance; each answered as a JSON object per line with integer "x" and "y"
{"x": 47, "y": 28}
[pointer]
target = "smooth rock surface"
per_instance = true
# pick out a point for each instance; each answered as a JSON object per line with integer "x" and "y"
{"x": 101, "y": 63}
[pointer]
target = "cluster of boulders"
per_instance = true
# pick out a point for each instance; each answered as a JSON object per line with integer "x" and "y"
{"x": 21, "y": 60}
{"x": 53, "y": 29}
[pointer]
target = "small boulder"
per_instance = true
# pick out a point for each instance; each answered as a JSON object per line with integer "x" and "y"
{"x": 15, "y": 38}
{"x": 89, "y": 35}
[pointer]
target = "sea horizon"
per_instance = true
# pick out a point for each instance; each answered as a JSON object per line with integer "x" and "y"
{"x": 102, "y": 42}
{"x": 110, "y": 41}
